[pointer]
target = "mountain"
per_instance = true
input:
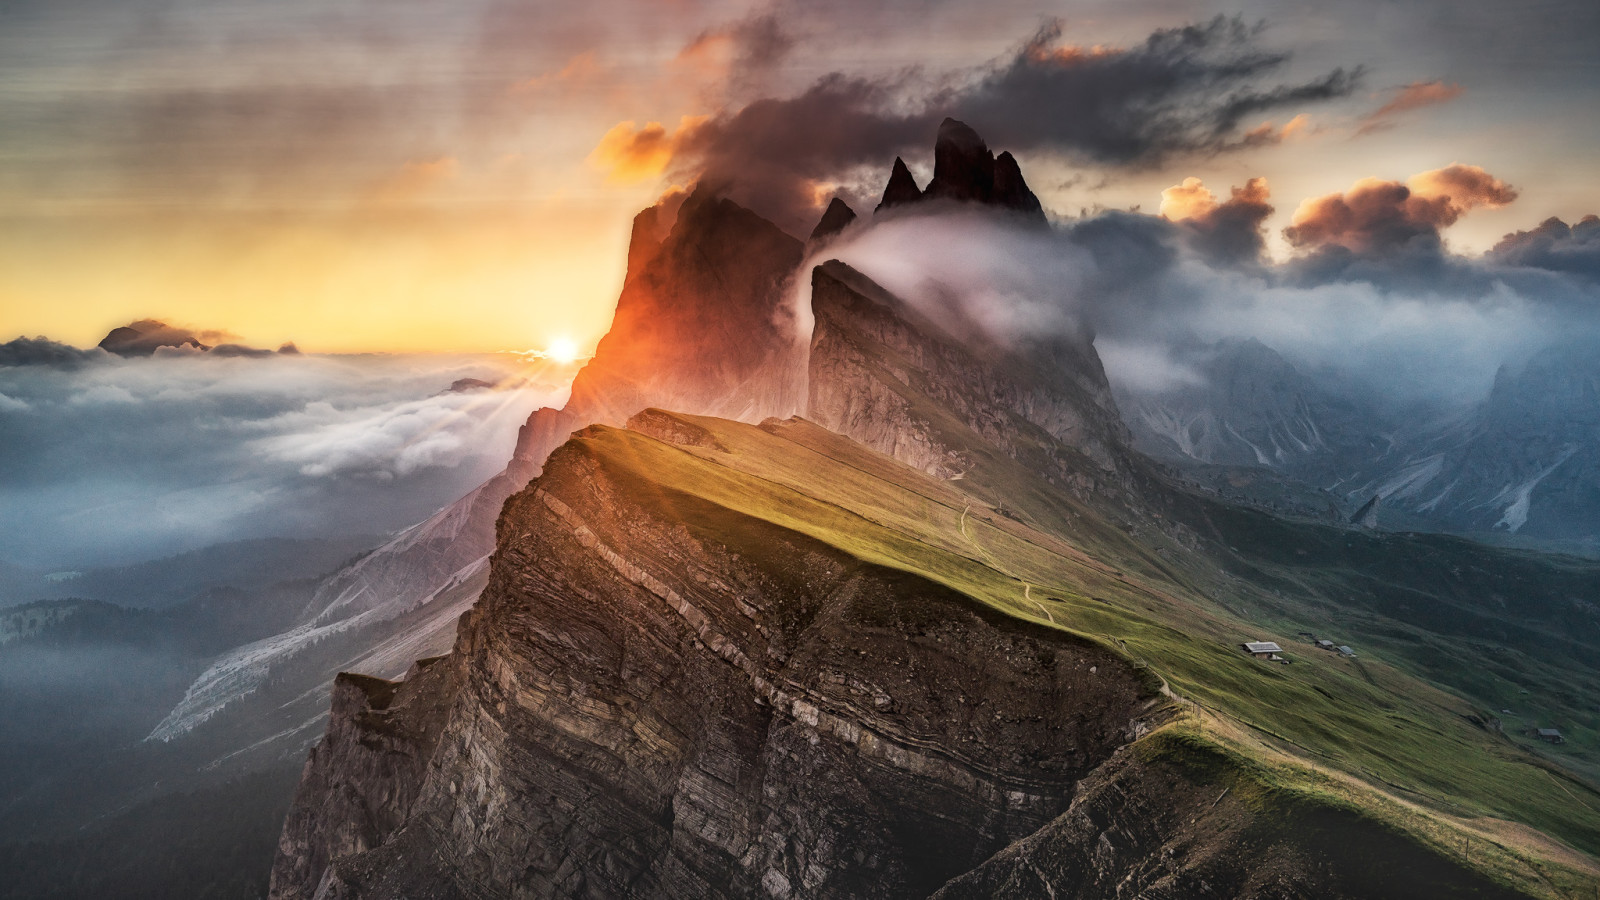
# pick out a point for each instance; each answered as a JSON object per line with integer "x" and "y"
{"x": 889, "y": 612}
{"x": 703, "y": 324}
{"x": 248, "y": 565}
{"x": 965, "y": 644}
{"x": 1525, "y": 462}
{"x": 883, "y": 375}
{"x": 965, "y": 171}
{"x": 144, "y": 337}
{"x": 1521, "y": 463}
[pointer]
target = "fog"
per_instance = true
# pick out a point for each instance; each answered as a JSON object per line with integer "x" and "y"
{"x": 108, "y": 461}
{"x": 1150, "y": 290}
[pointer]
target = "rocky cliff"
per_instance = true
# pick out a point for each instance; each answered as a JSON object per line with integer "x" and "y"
{"x": 660, "y": 696}
{"x": 701, "y": 325}
{"x": 381, "y": 733}
{"x": 680, "y": 683}
{"x": 965, "y": 170}
{"x": 889, "y": 378}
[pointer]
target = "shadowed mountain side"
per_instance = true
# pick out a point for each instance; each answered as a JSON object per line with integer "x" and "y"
{"x": 887, "y": 377}
{"x": 965, "y": 171}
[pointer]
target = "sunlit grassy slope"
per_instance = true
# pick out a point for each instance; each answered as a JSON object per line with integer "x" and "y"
{"x": 1391, "y": 733}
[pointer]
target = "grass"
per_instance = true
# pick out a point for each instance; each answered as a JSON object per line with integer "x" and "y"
{"x": 1385, "y": 733}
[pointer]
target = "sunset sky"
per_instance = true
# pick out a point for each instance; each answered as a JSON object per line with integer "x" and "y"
{"x": 403, "y": 175}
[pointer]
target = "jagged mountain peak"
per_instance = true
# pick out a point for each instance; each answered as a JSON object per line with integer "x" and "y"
{"x": 965, "y": 170}
{"x": 901, "y": 189}
{"x": 963, "y": 166}
{"x": 836, "y": 218}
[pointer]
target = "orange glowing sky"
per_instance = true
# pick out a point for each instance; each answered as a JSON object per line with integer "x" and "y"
{"x": 427, "y": 176}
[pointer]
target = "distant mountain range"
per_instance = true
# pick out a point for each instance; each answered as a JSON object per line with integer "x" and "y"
{"x": 1520, "y": 464}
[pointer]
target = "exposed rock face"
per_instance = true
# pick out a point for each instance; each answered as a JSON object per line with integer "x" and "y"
{"x": 901, "y": 189}
{"x": 1527, "y": 461}
{"x": 381, "y": 733}
{"x": 1251, "y": 407}
{"x": 888, "y": 378}
{"x": 701, "y": 326}
{"x": 662, "y": 698}
{"x": 963, "y": 167}
{"x": 966, "y": 171}
{"x": 835, "y": 219}
{"x": 144, "y": 337}
{"x": 1169, "y": 820}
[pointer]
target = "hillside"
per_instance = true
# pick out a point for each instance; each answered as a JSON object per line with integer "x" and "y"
{"x": 688, "y": 622}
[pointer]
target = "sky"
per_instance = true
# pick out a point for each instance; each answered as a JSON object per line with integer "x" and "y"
{"x": 411, "y": 176}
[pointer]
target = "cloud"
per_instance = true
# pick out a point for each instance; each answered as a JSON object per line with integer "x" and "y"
{"x": 629, "y": 153}
{"x": 41, "y": 351}
{"x": 1181, "y": 92}
{"x": 1230, "y": 231}
{"x": 1376, "y": 216}
{"x": 1155, "y": 291}
{"x": 580, "y": 68}
{"x": 1416, "y": 95}
{"x": 1554, "y": 246}
{"x": 742, "y": 54}
{"x": 128, "y": 459}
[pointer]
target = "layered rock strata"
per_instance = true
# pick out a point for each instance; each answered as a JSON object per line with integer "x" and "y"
{"x": 898, "y": 383}
{"x": 660, "y": 697}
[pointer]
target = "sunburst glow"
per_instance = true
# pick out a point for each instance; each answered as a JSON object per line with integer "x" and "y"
{"x": 562, "y": 350}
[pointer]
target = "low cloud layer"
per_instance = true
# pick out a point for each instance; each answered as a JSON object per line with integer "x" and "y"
{"x": 110, "y": 460}
{"x": 1152, "y": 289}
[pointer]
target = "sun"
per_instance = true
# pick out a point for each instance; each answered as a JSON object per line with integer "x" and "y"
{"x": 562, "y": 350}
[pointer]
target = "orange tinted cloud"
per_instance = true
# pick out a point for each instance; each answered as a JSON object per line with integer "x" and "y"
{"x": 1269, "y": 132}
{"x": 1069, "y": 55}
{"x": 1188, "y": 200}
{"x": 1375, "y": 213}
{"x": 629, "y": 154}
{"x": 1465, "y": 187}
{"x": 1415, "y": 95}
{"x": 1229, "y": 230}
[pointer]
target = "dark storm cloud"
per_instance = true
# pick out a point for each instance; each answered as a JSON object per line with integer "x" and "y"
{"x": 1183, "y": 91}
{"x": 116, "y": 460}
